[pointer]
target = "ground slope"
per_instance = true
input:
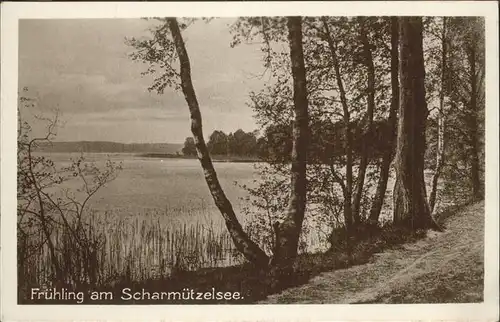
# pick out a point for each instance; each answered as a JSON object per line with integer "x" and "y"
{"x": 443, "y": 267}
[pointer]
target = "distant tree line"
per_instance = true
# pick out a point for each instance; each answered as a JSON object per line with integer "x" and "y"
{"x": 106, "y": 147}
{"x": 239, "y": 143}
{"x": 275, "y": 143}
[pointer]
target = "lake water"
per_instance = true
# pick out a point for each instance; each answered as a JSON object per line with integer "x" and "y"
{"x": 171, "y": 190}
{"x": 156, "y": 209}
{"x": 153, "y": 199}
{"x": 172, "y": 187}
{"x": 175, "y": 186}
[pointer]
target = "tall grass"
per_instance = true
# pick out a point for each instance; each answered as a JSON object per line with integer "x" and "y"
{"x": 153, "y": 245}
{"x": 148, "y": 246}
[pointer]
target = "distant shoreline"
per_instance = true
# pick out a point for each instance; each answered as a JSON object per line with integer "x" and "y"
{"x": 215, "y": 158}
{"x": 108, "y": 147}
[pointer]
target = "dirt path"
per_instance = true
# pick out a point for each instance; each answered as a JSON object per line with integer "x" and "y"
{"x": 443, "y": 267}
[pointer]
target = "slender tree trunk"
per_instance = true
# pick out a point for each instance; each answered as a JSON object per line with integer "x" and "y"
{"x": 477, "y": 191}
{"x": 368, "y": 126}
{"x": 388, "y": 153}
{"x": 441, "y": 123}
{"x": 410, "y": 198}
{"x": 288, "y": 231}
{"x": 439, "y": 160}
{"x": 241, "y": 240}
{"x": 348, "y": 220}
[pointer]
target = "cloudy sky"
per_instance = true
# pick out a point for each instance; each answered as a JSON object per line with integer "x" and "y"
{"x": 82, "y": 69}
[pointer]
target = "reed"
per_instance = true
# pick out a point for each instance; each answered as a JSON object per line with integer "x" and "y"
{"x": 148, "y": 246}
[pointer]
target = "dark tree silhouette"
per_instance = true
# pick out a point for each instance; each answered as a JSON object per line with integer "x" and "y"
{"x": 388, "y": 151}
{"x": 368, "y": 122}
{"x": 189, "y": 147}
{"x": 410, "y": 198}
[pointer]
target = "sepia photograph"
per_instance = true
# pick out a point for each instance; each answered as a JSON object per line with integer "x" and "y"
{"x": 250, "y": 159}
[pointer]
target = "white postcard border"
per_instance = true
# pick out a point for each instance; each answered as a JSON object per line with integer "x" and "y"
{"x": 10, "y": 14}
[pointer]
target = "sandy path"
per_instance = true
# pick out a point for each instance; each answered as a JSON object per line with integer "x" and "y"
{"x": 443, "y": 267}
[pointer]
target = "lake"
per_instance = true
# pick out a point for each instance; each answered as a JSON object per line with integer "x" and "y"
{"x": 172, "y": 188}
{"x": 176, "y": 186}
{"x": 159, "y": 214}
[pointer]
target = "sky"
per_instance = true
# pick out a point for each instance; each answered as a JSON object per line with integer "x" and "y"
{"x": 81, "y": 68}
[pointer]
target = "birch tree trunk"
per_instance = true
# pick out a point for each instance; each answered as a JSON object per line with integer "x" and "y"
{"x": 441, "y": 122}
{"x": 410, "y": 198}
{"x": 288, "y": 231}
{"x": 243, "y": 243}
{"x": 387, "y": 155}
